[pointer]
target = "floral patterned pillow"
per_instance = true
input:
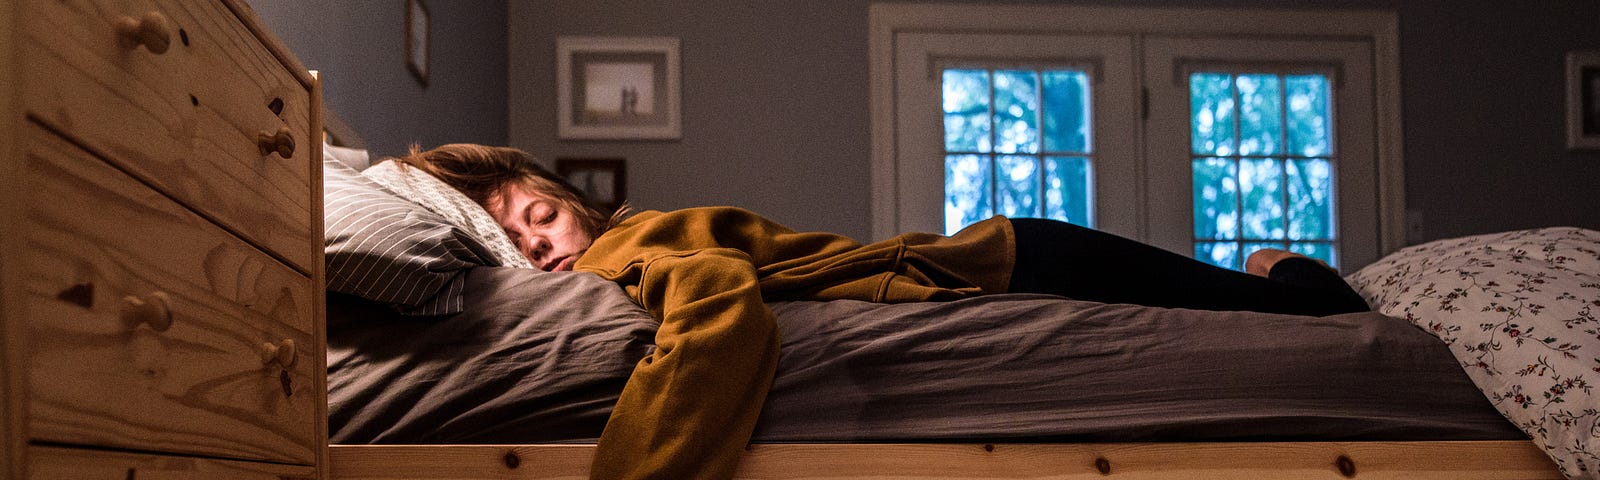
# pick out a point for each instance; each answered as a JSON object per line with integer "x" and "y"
{"x": 1518, "y": 309}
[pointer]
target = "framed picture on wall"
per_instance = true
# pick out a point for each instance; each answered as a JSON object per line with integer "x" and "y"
{"x": 603, "y": 180}
{"x": 417, "y": 40}
{"x": 617, "y": 88}
{"x": 1583, "y": 100}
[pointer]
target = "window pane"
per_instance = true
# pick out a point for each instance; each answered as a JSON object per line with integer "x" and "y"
{"x": 1260, "y": 181}
{"x": 1310, "y": 199}
{"x": 1319, "y": 251}
{"x": 1066, "y": 111}
{"x": 1308, "y": 115}
{"x": 966, "y": 110}
{"x": 1211, "y": 107}
{"x": 1222, "y": 254}
{"x": 1068, "y": 191}
{"x": 1016, "y": 111}
{"x": 1260, "y": 114}
{"x": 966, "y": 191}
{"x": 1216, "y": 199}
{"x": 1017, "y": 185}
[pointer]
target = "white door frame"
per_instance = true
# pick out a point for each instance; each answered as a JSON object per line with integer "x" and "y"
{"x": 1381, "y": 28}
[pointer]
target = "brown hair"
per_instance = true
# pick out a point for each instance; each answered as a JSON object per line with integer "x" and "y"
{"x": 480, "y": 172}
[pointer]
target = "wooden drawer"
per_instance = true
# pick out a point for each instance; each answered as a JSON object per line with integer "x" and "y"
{"x": 108, "y": 367}
{"x": 74, "y": 464}
{"x": 188, "y": 120}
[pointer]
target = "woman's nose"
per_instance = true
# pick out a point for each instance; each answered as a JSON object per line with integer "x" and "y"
{"x": 538, "y": 245}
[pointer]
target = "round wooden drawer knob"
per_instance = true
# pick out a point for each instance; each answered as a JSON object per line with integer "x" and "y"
{"x": 151, "y": 30}
{"x": 280, "y": 142}
{"x": 281, "y": 353}
{"x": 154, "y": 310}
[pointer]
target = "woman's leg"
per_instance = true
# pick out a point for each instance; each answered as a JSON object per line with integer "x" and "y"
{"x": 1064, "y": 259}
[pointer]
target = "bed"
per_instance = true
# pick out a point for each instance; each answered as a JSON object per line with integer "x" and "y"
{"x": 458, "y": 368}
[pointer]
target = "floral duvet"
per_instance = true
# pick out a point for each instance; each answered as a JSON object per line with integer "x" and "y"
{"x": 1518, "y": 310}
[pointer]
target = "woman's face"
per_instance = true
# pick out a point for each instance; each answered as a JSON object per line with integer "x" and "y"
{"x": 542, "y": 229}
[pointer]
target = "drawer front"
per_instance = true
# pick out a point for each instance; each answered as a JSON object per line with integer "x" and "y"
{"x": 151, "y": 329}
{"x": 190, "y": 120}
{"x": 68, "y": 463}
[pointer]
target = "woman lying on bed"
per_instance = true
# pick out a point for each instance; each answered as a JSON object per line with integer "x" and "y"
{"x": 688, "y": 409}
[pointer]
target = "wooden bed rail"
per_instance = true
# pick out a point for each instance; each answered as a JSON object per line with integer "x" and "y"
{"x": 1452, "y": 460}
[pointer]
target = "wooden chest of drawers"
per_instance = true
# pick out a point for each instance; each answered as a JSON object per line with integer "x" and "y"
{"x": 161, "y": 293}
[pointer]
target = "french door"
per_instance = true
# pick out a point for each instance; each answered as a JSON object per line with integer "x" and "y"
{"x": 1210, "y": 146}
{"x": 1016, "y": 125}
{"x": 1258, "y": 143}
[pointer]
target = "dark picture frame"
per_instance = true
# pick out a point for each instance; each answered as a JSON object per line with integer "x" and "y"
{"x": 618, "y": 88}
{"x": 418, "y": 39}
{"x": 604, "y": 181}
{"x": 1583, "y": 100}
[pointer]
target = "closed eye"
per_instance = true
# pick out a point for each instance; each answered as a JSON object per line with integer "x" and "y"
{"x": 544, "y": 214}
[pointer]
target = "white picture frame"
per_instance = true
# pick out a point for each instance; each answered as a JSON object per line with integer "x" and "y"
{"x": 1583, "y": 100}
{"x": 618, "y": 88}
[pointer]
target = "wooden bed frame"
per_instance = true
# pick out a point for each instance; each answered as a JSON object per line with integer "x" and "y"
{"x": 1413, "y": 460}
{"x": 1441, "y": 460}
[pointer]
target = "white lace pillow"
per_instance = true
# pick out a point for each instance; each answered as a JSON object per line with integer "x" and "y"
{"x": 1518, "y": 310}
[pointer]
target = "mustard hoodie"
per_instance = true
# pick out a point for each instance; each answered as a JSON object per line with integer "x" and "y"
{"x": 689, "y": 408}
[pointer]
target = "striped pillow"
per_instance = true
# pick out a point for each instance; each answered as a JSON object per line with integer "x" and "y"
{"x": 385, "y": 248}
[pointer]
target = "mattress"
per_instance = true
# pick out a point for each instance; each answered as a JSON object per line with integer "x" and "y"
{"x": 542, "y": 356}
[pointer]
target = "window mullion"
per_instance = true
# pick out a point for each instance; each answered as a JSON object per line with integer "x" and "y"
{"x": 1238, "y": 169}
{"x": 1283, "y": 149}
{"x": 994, "y": 148}
{"x": 1038, "y": 118}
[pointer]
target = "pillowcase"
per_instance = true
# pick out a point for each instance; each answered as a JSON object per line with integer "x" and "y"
{"x": 353, "y": 157}
{"x": 440, "y": 198}
{"x": 1520, "y": 311}
{"x": 382, "y": 247}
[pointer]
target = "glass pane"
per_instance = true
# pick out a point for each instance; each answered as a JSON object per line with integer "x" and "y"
{"x": 966, "y": 191}
{"x": 1319, "y": 251}
{"x": 1216, "y": 199}
{"x": 1310, "y": 199}
{"x": 1017, "y": 186}
{"x": 1068, "y": 190}
{"x": 966, "y": 110}
{"x": 1016, "y": 111}
{"x": 1066, "y": 111}
{"x": 1222, "y": 254}
{"x": 1260, "y": 185}
{"x": 1211, "y": 109}
{"x": 1260, "y": 114}
{"x": 1309, "y": 117}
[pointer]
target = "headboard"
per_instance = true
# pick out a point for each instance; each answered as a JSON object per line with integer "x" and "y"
{"x": 343, "y": 143}
{"x": 338, "y": 133}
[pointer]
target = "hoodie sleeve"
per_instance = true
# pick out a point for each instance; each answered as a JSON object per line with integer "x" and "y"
{"x": 690, "y": 407}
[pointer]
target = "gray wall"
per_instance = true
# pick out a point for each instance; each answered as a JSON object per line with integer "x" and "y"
{"x": 776, "y": 119}
{"x": 359, "y": 48}
{"x": 775, "y": 98}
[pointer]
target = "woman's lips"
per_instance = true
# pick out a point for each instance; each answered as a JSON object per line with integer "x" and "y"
{"x": 559, "y": 265}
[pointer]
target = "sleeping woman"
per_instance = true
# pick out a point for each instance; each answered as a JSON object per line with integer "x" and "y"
{"x": 705, "y": 273}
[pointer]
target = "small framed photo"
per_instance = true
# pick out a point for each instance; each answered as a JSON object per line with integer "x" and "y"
{"x": 417, "y": 40}
{"x": 603, "y": 180}
{"x": 1583, "y": 100}
{"x": 617, "y": 88}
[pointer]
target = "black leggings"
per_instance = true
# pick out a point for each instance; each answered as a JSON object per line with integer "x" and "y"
{"x": 1064, "y": 259}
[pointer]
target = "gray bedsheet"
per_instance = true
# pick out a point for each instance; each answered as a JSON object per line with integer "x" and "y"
{"x": 541, "y": 357}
